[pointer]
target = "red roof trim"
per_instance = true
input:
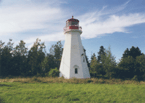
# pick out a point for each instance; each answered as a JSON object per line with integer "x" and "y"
{"x": 73, "y": 27}
{"x": 73, "y": 20}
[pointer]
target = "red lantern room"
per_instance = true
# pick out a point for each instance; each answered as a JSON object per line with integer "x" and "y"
{"x": 72, "y": 24}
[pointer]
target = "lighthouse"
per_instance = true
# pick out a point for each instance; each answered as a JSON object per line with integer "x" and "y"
{"x": 73, "y": 62}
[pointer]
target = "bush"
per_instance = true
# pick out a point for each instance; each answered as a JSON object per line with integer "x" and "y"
{"x": 54, "y": 72}
{"x": 89, "y": 81}
{"x": 93, "y": 74}
{"x": 135, "y": 77}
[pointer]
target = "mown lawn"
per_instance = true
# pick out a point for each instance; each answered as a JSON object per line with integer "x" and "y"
{"x": 18, "y": 92}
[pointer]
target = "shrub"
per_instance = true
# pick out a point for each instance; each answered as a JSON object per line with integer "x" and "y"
{"x": 135, "y": 78}
{"x": 89, "y": 81}
{"x": 54, "y": 72}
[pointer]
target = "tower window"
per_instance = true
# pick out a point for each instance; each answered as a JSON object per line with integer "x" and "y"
{"x": 76, "y": 70}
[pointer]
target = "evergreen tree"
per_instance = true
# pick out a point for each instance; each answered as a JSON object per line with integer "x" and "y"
{"x": 101, "y": 52}
{"x": 140, "y": 67}
{"x": 20, "y": 59}
{"x": 93, "y": 56}
{"x": 6, "y": 62}
{"x": 45, "y": 66}
{"x": 96, "y": 68}
{"x": 93, "y": 66}
{"x": 127, "y": 66}
{"x": 35, "y": 57}
{"x": 126, "y": 53}
{"x": 56, "y": 51}
{"x": 130, "y": 63}
{"x": 134, "y": 52}
{"x": 0, "y": 66}
{"x": 51, "y": 61}
{"x": 109, "y": 63}
{"x": 92, "y": 63}
{"x": 1, "y": 49}
{"x": 6, "y": 57}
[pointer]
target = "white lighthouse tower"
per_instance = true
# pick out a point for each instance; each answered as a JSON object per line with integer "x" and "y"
{"x": 73, "y": 61}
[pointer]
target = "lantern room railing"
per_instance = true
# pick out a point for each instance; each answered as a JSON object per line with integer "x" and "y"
{"x": 69, "y": 28}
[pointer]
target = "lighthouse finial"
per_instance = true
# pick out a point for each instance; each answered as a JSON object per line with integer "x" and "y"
{"x": 72, "y": 17}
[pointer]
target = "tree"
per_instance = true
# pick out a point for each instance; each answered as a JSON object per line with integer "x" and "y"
{"x": 130, "y": 63}
{"x": 101, "y": 52}
{"x": 19, "y": 59}
{"x": 1, "y": 49}
{"x": 126, "y": 53}
{"x": 21, "y": 49}
{"x": 1, "y": 46}
{"x": 45, "y": 66}
{"x": 56, "y": 51}
{"x": 93, "y": 56}
{"x": 93, "y": 62}
{"x": 6, "y": 57}
{"x": 134, "y": 52}
{"x": 51, "y": 61}
{"x": 96, "y": 68}
{"x": 35, "y": 57}
{"x": 127, "y": 66}
{"x": 0, "y": 66}
{"x": 140, "y": 67}
{"x": 109, "y": 63}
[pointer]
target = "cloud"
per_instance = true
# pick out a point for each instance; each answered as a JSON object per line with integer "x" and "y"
{"x": 22, "y": 18}
{"x": 126, "y": 2}
{"x": 51, "y": 37}
{"x": 46, "y": 38}
{"x": 28, "y": 20}
{"x": 94, "y": 27}
{"x": 106, "y": 10}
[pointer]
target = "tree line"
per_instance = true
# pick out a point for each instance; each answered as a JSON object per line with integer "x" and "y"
{"x": 130, "y": 66}
{"x": 19, "y": 61}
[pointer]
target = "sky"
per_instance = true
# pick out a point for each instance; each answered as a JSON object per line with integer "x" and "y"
{"x": 118, "y": 24}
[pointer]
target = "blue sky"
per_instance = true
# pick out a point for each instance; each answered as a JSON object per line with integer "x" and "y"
{"x": 119, "y": 24}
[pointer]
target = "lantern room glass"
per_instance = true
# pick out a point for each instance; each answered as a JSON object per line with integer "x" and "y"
{"x": 72, "y": 23}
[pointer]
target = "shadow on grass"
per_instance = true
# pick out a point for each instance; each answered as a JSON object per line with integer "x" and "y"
{"x": 2, "y": 85}
{"x": 1, "y": 100}
{"x": 73, "y": 99}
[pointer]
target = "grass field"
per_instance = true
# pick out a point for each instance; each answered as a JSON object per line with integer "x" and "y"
{"x": 59, "y": 90}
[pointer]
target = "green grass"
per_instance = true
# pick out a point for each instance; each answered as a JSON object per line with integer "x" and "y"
{"x": 34, "y": 90}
